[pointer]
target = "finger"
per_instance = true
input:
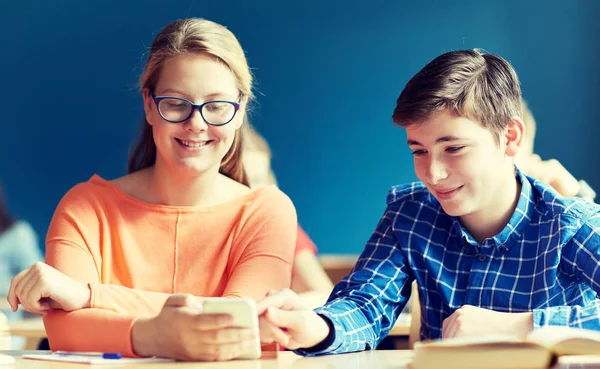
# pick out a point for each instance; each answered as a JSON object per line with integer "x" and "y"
{"x": 12, "y": 297}
{"x": 285, "y": 319}
{"x": 285, "y": 299}
{"x": 181, "y": 300}
{"x": 446, "y": 325}
{"x": 453, "y": 325}
{"x": 226, "y": 335}
{"x": 33, "y": 291}
{"x": 224, "y": 352}
{"x": 270, "y": 333}
{"x": 208, "y": 322}
{"x": 273, "y": 298}
{"x": 453, "y": 329}
{"x": 22, "y": 289}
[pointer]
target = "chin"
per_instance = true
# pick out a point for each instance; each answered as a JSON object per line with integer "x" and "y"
{"x": 455, "y": 210}
{"x": 193, "y": 169}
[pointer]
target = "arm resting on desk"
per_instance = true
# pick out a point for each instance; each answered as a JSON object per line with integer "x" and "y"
{"x": 90, "y": 330}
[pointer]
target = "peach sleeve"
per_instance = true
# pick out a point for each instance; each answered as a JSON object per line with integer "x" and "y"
{"x": 90, "y": 330}
{"x": 264, "y": 259}
{"x": 72, "y": 247}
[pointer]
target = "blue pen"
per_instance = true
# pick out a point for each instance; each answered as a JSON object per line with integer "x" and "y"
{"x": 104, "y": 355}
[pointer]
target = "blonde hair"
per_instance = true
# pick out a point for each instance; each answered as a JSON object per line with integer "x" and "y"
{"x": 196, "y": 36}
{"x": 482, "y": 87}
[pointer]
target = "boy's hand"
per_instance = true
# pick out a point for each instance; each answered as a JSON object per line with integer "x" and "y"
{"x": 474, "y": 321}
{"x": 283, "y": 318}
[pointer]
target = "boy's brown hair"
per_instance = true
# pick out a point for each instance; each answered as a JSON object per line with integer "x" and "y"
{"x": 481, "y": 87}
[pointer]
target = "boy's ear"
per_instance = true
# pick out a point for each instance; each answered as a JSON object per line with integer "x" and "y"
{"x": 514, "y": 134}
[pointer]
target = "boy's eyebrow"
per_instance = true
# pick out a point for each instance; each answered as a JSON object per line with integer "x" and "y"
{"x": 439, "y": 140}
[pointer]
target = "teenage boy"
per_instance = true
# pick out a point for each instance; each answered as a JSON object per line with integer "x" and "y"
{"x": 493, "y": 251}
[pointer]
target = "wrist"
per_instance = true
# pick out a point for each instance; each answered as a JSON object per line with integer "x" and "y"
{"x": 324, "y": 333}
{"x": 523, "y": 323}
{"x": 142, "y": 337}
{"x": 86, "y": 296}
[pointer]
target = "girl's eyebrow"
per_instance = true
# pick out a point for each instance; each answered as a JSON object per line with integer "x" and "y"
{"x": 207, "y": 97}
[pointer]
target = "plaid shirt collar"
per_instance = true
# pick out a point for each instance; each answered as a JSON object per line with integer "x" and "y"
{"x": 515, "y": 227}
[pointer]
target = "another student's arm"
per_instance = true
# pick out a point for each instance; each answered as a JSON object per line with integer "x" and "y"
{"x": 581, "y": 257}
{"x": 553, "y": 173}
{"x": 308, "y": 274}
{"x": 262, "y": 261}
{"x": 27, "y": 251}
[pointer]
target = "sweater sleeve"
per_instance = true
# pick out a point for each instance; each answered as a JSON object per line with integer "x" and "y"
{"x": 263, "y": 259}
{"x": 72, "y": 247}
{"x": 76, "y": 261}
{"x": 90, "y": 330}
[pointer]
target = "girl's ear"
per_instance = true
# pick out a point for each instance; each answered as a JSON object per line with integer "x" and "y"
{"x": 240, "y": 117}
{"x": 147, "y": 103}
{"x": 514, "y": 134}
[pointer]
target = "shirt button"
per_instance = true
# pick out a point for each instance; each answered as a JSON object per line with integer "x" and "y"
{"x": 502, "y": 249}
{"x": 482, "y": 257}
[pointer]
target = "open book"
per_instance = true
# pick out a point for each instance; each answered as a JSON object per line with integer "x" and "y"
{"x": 539, "y": 350}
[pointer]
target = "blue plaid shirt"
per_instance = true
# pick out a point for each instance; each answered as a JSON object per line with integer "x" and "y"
{"x": 546, "y": 260}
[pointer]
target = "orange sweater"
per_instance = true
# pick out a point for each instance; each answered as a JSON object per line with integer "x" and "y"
{"x": 134, "y": 255}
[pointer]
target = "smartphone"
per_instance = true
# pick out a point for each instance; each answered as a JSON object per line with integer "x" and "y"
{"x": 244, "y": 315}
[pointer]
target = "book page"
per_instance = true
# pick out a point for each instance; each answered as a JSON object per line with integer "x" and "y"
{"x": 499, "y": 355}
{"x": 566, "y": 340}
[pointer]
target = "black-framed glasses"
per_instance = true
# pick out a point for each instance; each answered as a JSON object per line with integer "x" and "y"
{"x": 177, "y": 109}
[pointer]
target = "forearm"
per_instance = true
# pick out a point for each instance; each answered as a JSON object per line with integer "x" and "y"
{"x": 363, "y": 312}
{"x": 350, "y": 329}
{"x": 126, "y": 300}
{"x": 313, "y": 299}
{"x": 90, "y": 330}
{"x": 256, "y": 277}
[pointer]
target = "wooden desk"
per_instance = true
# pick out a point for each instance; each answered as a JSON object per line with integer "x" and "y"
{"x": 397, "y": 359}
{"x": 402, "y": 327}
{"x": 357, "y": 360}
{"x": 337, "y": 266}
{"x": 32, "y": 329}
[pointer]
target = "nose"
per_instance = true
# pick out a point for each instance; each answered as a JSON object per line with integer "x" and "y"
{"x": 436, "y": 171}
{"x": 195, "y": 122}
